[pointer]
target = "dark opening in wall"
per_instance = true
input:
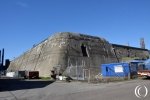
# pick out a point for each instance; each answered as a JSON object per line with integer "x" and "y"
{"x": 84, "y": 50}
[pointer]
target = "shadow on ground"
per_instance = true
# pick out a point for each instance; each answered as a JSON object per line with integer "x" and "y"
{"x": 17, "y": 84}
{"x": 146, "y": 78}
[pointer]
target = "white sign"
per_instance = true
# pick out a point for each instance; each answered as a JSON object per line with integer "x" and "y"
{"x": 118, "y": 68}
{"x": 10, "y": 74}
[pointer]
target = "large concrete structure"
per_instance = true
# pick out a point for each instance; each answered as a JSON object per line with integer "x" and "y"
{"x": 76, "y": 55}
{"x": 126, "y": 52}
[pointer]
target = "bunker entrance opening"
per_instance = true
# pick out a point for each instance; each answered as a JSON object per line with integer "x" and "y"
{"x": 84, "y": 50}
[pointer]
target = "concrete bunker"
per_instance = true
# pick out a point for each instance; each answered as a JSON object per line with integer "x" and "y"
{"x": 76, "y": 55}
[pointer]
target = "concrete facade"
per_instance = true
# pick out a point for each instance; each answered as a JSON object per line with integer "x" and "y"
{"x": 123, "y": 52}
{"x": 76, "y": 55}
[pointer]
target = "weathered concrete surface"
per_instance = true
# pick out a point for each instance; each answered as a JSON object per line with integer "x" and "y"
{"x": 76, "y": 55}
{"x": 64, "y": 51}
{"x": 75, "y": 91}
{"x": 123, "y": 51}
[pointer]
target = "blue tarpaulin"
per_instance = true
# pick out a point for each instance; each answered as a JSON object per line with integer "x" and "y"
{"x": 115, "y": 70}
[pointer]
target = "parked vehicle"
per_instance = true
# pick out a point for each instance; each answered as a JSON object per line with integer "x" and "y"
{"x": 145, "y": 73}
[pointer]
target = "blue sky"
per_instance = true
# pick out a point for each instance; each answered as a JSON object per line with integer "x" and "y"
{"x": 24, "y": 23}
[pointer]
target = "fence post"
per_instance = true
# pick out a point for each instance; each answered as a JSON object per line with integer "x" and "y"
{"x": 76, "y": 70}
{"x": 129, "y": 76}
{"x": 89, "y": 76}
